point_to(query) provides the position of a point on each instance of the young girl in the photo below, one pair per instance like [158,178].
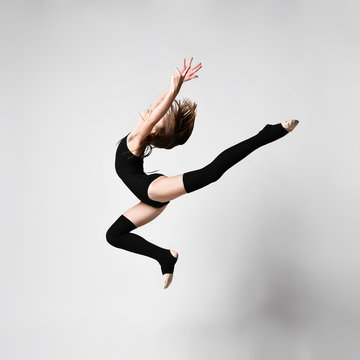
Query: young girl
[166,124]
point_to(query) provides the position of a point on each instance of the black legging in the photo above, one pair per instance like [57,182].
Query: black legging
[119,234]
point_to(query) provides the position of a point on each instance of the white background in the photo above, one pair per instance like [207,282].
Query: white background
[268,255]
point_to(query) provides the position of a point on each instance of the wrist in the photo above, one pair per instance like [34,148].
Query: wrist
[173,92]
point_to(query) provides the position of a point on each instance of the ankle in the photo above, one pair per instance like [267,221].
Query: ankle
[168,261]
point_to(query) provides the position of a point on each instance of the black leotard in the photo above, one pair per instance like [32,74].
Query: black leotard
[130,169]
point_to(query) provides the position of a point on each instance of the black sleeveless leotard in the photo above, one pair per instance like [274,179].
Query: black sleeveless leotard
[130,169]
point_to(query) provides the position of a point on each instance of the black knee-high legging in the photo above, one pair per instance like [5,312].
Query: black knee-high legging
[195,180]
[119,234]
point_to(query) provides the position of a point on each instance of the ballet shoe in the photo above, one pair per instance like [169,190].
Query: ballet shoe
[167,280]
[290,125]
[169,276]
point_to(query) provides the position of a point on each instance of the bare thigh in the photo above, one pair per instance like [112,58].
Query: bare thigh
[142,213]
[166,188]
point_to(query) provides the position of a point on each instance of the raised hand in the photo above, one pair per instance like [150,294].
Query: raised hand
[190,73]
[177,79]
[186,74]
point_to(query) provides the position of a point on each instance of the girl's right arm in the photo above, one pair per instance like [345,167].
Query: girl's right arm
[150,117]
[190,75]
[176,83]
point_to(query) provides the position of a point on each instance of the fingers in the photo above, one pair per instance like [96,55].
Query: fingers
[191,59]
[193,71]
[197,67]
[192,77]
[186,70]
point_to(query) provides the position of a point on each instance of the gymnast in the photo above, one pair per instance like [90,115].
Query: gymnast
[168,123]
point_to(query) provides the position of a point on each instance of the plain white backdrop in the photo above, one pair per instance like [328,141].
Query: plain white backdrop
[268,255]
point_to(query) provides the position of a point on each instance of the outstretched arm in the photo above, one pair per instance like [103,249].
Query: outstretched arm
[190,75]
[163,103]
[160,110]
[150,117]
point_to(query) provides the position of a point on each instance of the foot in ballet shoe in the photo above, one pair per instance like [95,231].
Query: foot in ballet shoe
[169,276]
[167,280]
[290,124]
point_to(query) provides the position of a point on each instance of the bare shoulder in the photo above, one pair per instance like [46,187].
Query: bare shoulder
[133,142]
[137,136]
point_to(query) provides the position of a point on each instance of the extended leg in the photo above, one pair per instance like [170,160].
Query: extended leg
[168,188]
[197,179]
[120,236]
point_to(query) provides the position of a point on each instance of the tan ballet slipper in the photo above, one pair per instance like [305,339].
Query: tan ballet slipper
[290,125]
[168,277]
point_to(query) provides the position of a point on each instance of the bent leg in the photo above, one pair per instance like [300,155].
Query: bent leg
[142,213]
[119,235]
